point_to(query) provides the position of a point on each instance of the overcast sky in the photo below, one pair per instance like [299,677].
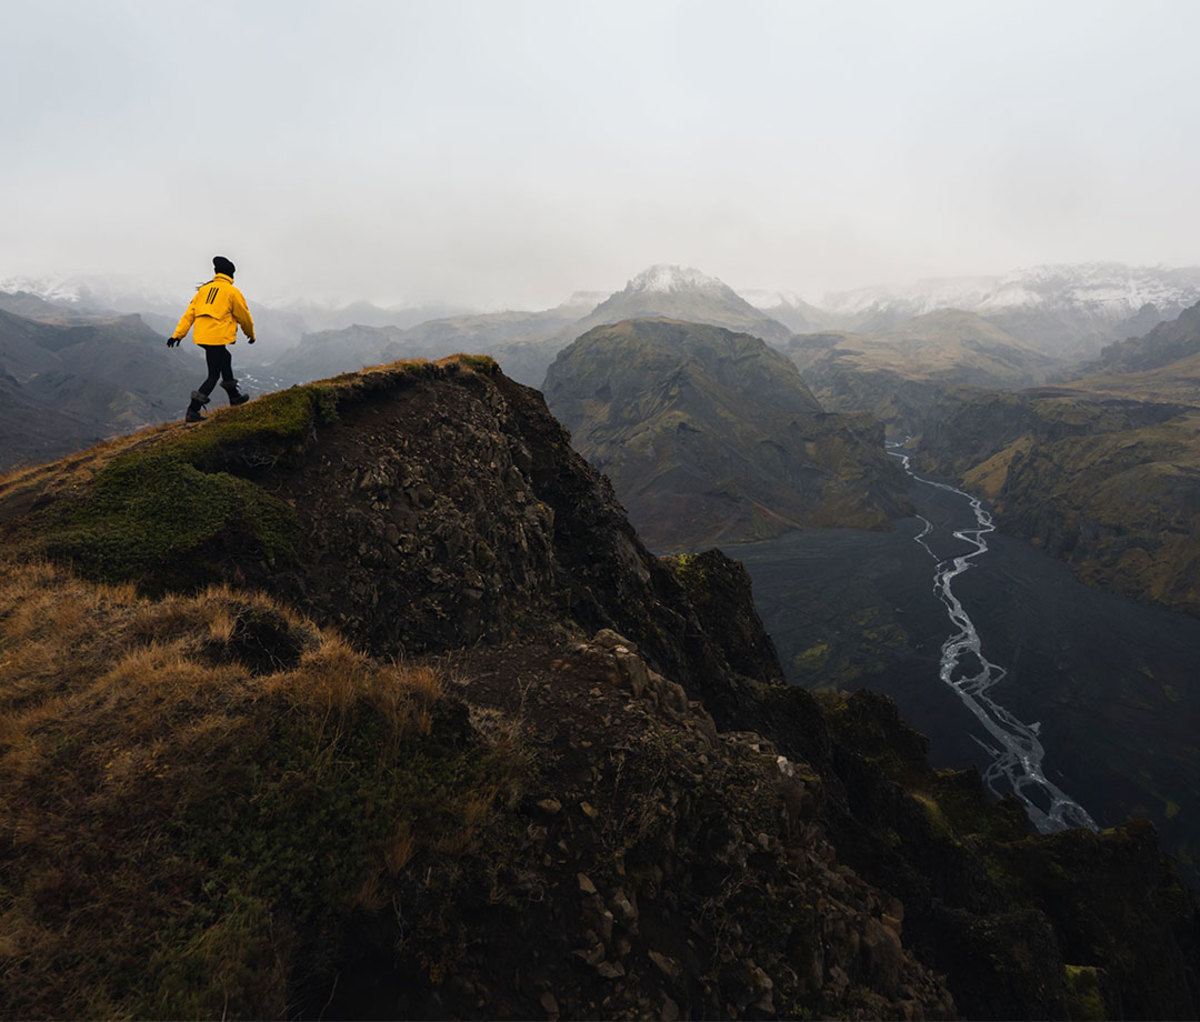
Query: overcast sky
[507,153]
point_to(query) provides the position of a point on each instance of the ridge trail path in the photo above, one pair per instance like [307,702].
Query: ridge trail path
[1017,752]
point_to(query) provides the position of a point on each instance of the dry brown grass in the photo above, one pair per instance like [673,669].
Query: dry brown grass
[180,777]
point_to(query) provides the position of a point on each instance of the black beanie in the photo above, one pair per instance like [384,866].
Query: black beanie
[223,265]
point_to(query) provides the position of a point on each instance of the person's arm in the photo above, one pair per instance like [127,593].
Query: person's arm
[242,314]
[185,324]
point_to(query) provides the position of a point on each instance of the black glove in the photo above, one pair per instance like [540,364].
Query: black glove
[173,342]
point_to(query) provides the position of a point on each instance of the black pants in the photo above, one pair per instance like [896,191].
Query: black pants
[220,364]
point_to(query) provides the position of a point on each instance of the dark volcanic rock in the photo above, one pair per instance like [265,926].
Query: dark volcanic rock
[452,510]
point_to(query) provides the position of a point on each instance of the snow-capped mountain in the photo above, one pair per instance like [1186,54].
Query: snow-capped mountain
[662,290]
[59,291]
[666,279]
[684,293]
[1110,287]
[916,300]
[1062,309]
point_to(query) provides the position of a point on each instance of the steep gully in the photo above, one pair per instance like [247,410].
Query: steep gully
[1018,753]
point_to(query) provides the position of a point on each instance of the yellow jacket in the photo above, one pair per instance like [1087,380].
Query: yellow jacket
[217,310]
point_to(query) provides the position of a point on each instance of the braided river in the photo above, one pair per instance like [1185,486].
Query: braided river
[1082,704]
[1014,747]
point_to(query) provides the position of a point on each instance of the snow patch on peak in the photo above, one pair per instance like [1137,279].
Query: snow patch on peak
[1111,288]
[665,279]
[1107,289]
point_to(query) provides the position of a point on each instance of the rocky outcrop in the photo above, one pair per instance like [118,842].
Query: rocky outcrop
[417,508]
[1016,921]
[655,867]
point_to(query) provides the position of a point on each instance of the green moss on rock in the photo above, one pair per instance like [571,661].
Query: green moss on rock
[1084,999]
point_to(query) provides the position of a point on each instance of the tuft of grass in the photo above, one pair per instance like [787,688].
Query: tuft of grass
[197,793]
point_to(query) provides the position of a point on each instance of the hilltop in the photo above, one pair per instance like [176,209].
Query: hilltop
[659,291]
[711,436]
[364,699]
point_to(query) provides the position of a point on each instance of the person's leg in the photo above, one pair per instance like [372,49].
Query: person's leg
[228,382]
[216,357]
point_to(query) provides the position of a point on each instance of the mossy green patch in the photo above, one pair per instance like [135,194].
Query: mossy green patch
[689,569]
[164,513]
[1083,992]
[162,522]
[812,659]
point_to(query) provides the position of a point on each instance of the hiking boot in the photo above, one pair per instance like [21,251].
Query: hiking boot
[199,400]
[235,397]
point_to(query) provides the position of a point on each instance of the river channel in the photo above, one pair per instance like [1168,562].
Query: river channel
[1082,703]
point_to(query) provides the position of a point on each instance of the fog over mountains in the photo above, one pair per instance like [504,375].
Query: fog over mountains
[1013,330]
[1061,309]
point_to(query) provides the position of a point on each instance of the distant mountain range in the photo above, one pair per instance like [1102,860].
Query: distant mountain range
[1068,310]
[1048,315]
[883,350]
[334,351]
[1061,310]
[525,343]
[672,292]
[66,385]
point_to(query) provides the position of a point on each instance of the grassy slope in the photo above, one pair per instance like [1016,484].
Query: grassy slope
[1177,381]
[198,791]
[1131,497]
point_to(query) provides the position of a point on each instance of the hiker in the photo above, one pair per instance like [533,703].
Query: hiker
[217,311]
